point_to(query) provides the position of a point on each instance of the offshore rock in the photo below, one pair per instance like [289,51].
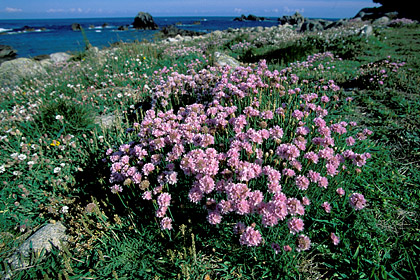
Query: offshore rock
[76,26]
[7,53]
[144,21]
[13,71]
[173,31]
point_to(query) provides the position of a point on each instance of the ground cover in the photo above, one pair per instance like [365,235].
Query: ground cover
[303,162]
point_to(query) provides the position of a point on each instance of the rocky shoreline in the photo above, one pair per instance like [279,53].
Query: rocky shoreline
[12,68]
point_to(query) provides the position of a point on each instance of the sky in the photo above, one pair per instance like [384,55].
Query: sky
[33,9]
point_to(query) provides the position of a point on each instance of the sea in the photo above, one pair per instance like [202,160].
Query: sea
[34,37]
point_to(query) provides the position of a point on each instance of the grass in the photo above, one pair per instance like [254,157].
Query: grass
[48,163]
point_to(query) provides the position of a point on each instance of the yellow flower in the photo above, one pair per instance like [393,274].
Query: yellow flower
[55,143]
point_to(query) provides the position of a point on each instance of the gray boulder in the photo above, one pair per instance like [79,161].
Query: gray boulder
[13,71]
[221,59]
[381,21]
[47,237]
[144,21]
[60,57]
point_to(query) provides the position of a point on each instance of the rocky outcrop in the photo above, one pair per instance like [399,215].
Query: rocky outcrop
[172,31]
[295,20]
[41,242]
[7,53]
[13,71]
[394,11]
[250,17]
[144,21]
[221,59]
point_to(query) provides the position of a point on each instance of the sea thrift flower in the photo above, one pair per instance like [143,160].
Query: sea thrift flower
[303,243]
[327,206]
[335,239]
[287,248]
[116,189]
[302,182]
[214,217]
[294,206]
[295,225]
[166,223]
[164,199]
[357,201]
[250,237]
[340,191]
[305,201]
[147,195]
[350,141]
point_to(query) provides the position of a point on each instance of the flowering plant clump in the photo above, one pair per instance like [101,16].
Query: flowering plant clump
[376,74]
[258,150]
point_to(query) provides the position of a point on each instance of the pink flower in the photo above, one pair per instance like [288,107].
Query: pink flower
[195,195]
[340,191]
[327,206]
[214,217]
[250,237]
[306,201]
[357,201]
[166,223]
[147,168]
[302,182]
[295,225]
[147,195]
[350,141]
[164,199]
[287,248]
[323,182]
[116,189]
[335,239]
[294,206]
[303,243]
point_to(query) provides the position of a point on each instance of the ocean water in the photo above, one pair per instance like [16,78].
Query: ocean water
[47,36]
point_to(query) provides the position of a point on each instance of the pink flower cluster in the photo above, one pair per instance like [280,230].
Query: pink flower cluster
[254,159]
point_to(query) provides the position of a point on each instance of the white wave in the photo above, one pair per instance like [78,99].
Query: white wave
[5,30]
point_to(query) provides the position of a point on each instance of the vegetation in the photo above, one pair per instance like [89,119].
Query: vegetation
[302,163]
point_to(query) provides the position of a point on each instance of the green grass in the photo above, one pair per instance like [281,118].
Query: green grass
[114,239]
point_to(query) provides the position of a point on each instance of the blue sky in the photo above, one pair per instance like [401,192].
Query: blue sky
[30,9]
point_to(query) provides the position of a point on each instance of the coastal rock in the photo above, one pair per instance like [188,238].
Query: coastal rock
[60,57]
[123,28]
[13,71]
[295,20]
[381,21]
[76,27]
[144,21]
[315,25]
[366,30]
[250,17]
[7,53]
[221,59]
[173,31]
[47,237]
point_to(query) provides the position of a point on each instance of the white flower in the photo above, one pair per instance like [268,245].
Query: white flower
[57,170]
[59,117]
[31,162]
[21,157]
[62,164]
[64,209]
[2,168]
[14,155]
